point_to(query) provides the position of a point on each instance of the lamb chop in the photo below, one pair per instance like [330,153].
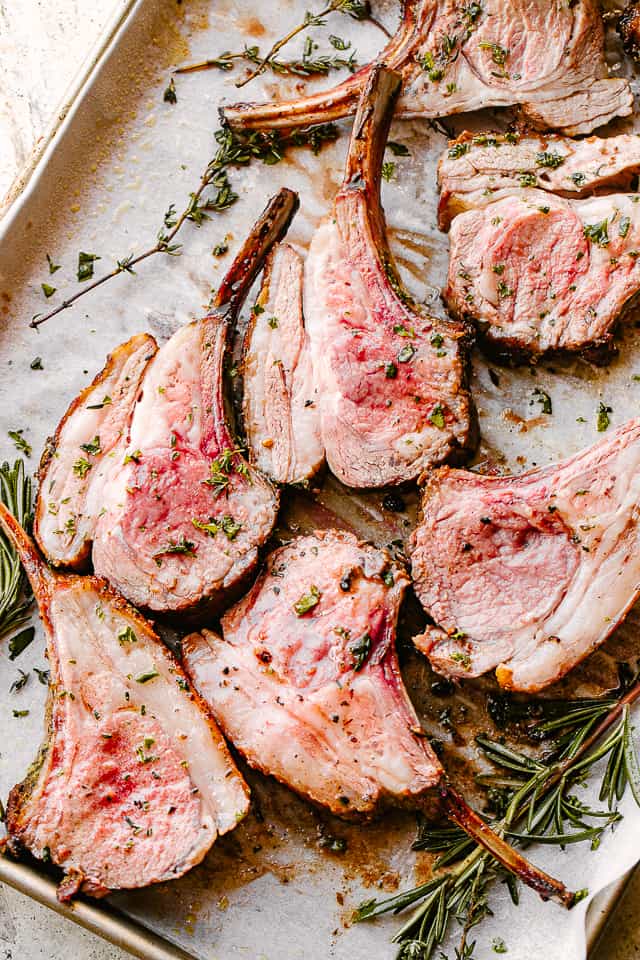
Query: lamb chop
[392,379]
[546,56]
[306,685]
[77,458]
[133,782]
[540,273]
[182,513]
[280,408]
[478,169]
[529,574]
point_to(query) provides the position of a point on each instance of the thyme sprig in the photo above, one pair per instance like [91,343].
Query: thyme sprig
[309,64]
[213,193]
[356,9]
[15,594]
[536,805]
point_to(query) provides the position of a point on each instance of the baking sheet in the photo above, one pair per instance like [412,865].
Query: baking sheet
[121,158]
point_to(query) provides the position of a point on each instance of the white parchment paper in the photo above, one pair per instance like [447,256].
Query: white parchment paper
[267,891]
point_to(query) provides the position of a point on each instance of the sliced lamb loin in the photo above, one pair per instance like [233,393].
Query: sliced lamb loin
[547,56]
[479,169]
[182,515]
[391,378]
[133,782]
[529,574]
[76,459]
[281,417]
[306,684]
[539,273]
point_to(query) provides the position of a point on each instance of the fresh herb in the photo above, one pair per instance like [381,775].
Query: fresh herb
[234,149]
[52,266]
[127,635]
[92,446]
[170,95]
[307,601]
[504,290]
[437,340]
[15,594]
[388,170]
[134,457]
[436,417]
[578,178]
[406,353]
[146,677]
[180,546]
[273,322]
[597,232]
[360,650]
[36,364]
[48,290]
[390,370]
[623,226]
[402,331]
[602,419]
[19,682]
[463,659]
[398,149]
[81,467]
[227,462]
[499,55]
[538,805]
[19,441]
[220,249]
[21,713]
[528,179]
[458,150]
[543,398]
[43,676]
[85,265]
[98,406]
[227,524]
[550,159]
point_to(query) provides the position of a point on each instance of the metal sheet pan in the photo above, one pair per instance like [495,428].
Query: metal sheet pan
[112,163]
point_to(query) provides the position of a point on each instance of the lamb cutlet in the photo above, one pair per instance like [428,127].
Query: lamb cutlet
[527,575]
[538,273]
[391,378]
[182,513]
[305,683]
[478,169]
[546,57]
[280,408]
[133,782]
[76,459]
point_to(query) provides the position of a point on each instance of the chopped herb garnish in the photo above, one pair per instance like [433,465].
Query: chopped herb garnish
[92,447]
[623,226]
[227,462]
[458,150]
[170,95]
[146,677]
[98,406]
[436,417]
[498,945]
[48,290]
[398,149]
[127,635]
[388,170]
[543,398]
[463,659]
[182,545]
[21,713]
[390,370]
[85,265]
[406,353]
[135,456]
[307,601]
[81,467]
[597,232]
[53,266]
[360,650]
[602,421]
[550,159]
[528,179]
[578,178]
[504,290]
[19,682]
[36,364]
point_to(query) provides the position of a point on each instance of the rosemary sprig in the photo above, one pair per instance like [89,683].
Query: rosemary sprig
[235,149]
[15,595]
[536,806]
[307,65]
[354,8]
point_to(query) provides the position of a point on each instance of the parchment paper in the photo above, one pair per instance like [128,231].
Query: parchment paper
[268,891]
